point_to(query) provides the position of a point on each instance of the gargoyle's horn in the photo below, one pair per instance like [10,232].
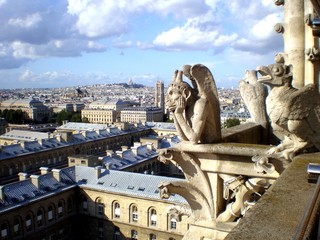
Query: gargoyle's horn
[175,75]
[179,77]
[187,71]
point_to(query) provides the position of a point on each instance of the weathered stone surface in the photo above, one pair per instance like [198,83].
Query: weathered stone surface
[294,113]
[195,110]
[254,95]
[278,213]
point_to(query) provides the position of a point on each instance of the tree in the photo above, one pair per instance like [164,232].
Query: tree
[76,117]
[85,120]
[231,122]
[62,116]
[13,116]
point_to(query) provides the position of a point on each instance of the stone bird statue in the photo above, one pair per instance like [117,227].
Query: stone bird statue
[294,113]
[254,95]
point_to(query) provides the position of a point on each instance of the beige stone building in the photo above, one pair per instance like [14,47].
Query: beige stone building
[33,109]
[88,203]
[105,111]
[103,116]
[142,114]
[71,139]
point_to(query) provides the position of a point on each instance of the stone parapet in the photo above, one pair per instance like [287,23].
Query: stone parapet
[278,213]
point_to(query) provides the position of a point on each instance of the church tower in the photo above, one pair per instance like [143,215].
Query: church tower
[159,95]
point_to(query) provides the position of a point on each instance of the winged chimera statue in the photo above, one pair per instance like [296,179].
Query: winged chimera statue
[195,110]
[294,113]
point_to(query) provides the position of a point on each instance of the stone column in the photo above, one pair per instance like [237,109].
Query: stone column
[312,48]
[294,38]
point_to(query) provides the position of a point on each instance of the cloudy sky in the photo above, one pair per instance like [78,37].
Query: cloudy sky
[51,43]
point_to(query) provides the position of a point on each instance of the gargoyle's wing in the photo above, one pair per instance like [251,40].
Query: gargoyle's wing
[301,102]
[207,88]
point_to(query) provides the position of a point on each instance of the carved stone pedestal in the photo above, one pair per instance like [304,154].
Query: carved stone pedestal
[223,181]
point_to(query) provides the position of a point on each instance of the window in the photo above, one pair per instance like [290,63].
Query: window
[84,204]
[173,223]
[61,233]
[100,229]
[60,209]
[100,208]
[153,217]
[117,210]
[50,214]
[16,227]
[40,218]
[153,237]
[134,235]
[4,231]
[134,214]
[28,223]
[117,234]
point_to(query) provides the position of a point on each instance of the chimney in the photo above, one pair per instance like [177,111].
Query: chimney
[44,170]
[22,176]
[58,137]
[109,153]
[56,173]
[124,148]
[22,144]
[41,141]
[97,170]
[150,146]
[108,166]
[134,150]
[67,136]
[84,133]
[137,144]
[99,131]
[119,153]
[35,180]
[2,192]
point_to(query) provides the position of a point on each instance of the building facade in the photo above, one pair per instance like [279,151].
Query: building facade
[89,139]
[103,116]
[88,203]
[33,109]
[142,114]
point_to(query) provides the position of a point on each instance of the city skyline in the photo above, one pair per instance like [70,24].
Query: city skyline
[70,42]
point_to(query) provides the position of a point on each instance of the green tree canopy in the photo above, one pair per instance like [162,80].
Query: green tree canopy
[231,122]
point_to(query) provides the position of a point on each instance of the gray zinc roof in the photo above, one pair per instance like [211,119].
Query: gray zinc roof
[141,185]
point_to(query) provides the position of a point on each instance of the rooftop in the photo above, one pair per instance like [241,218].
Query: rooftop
[38,186]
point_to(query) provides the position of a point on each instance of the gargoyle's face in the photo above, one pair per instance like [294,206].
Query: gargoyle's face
[174,94]
[272,75]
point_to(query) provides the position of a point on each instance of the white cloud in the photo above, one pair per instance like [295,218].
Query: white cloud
[2,2]
[27,22]
[99,18]
[63,28]
[196,34]
[263,29]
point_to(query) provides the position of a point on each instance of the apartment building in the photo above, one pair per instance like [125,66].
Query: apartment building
[89,203]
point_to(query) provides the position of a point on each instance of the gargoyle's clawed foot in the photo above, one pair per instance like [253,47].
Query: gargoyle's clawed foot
[288,154]
[275,150]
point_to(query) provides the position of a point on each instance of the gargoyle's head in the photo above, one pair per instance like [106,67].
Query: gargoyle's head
[277,74]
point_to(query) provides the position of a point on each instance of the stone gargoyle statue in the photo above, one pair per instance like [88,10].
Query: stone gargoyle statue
[195,110]
[294,113]
[254,96]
